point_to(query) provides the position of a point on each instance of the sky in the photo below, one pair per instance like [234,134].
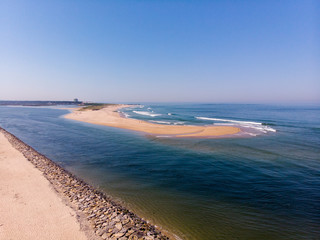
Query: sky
[160,51]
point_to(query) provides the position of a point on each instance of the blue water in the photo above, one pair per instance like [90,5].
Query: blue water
[264,184]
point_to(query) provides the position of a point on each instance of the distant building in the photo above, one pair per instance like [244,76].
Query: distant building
[76,100]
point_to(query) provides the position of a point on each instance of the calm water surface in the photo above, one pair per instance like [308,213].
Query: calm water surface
[262,185]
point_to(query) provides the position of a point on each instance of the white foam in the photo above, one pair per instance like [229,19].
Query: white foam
[169,114]
[147,113]
[255,126]
[252,134]
[178,123]
[161,122]
[228,120]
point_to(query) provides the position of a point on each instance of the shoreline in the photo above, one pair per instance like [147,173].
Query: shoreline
[97,211]
[110,116]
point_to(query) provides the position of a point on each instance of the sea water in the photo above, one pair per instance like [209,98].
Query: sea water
[262,184]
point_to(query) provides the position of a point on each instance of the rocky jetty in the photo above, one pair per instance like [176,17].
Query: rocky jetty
[108,219]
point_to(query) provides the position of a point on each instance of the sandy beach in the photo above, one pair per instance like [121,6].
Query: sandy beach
[41,200]
[109,116]
[29,206]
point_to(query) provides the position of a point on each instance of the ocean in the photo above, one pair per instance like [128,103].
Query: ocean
[261,184]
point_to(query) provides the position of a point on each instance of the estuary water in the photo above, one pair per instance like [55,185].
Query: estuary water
[261,184]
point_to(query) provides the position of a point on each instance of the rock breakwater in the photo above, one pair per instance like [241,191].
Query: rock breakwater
[108,219]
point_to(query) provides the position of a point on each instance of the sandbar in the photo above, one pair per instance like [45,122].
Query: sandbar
[29,206]
[110,116]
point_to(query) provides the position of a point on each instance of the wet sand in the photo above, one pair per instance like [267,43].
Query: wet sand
[109,116]
[29,206]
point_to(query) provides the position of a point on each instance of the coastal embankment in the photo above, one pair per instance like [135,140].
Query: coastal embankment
[63,208]
[110,116]
[29,206]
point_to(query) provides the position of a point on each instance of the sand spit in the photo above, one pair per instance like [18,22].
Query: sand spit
[109,116]
[95,210]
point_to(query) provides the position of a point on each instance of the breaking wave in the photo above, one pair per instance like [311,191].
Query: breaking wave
[161,122]
[257,127]
[147,113]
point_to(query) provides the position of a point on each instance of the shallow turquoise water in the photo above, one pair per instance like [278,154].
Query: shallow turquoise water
[262,187]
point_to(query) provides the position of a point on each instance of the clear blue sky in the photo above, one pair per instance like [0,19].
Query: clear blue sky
[161,51]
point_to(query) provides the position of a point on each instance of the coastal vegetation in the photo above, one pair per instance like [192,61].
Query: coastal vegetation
[96,106]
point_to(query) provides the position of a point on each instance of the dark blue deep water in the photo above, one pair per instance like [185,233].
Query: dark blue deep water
[263,184]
